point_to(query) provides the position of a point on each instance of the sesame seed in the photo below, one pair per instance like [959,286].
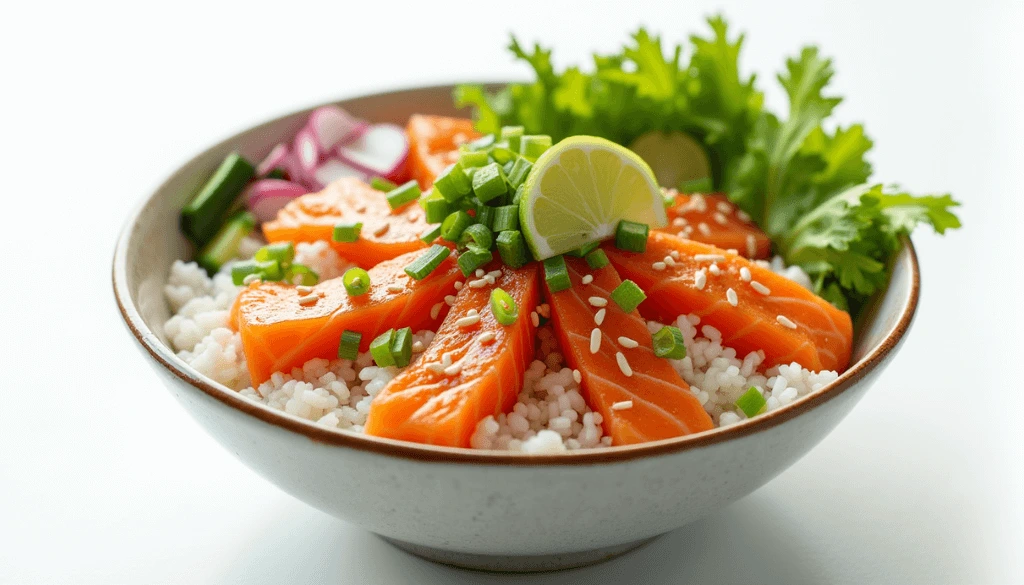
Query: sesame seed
[417,346]
[489,279]
[700,278]
[479,272]
[595,340]
[494,273]
[623,365]
[436,310]
[446,359]
[730,295]
[395,288]
[761,288]
[435,367]
[679,222]
[599,316]
[724,207]
[708,257]
[453,369]
[669,261]
[623,405]
[743,215]
[577,376]
[308,300]
[704,228]
[535,319]
[720,218]
[751,245]
[250,278]
[449,299]
[785,322]
[478,283]
[699,202]
[472,312]
[486,337]
[745,274]
[658,266]
[468,321]
[714,269]
[302,290]
[627,342]
[458,285]
[587,278]
[598,301]
[544,310]
[382,229]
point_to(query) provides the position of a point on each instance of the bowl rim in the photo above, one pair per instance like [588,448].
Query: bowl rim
[168,360]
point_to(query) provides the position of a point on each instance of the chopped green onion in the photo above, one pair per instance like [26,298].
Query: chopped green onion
[356,281]
[752,402]
[431,234]
[506,218]
[585,249]
[669,197]
[512,134]
[668,343]
[264,270]
[471,160]
[512,248]
[628,296]
[517,175]
[452,183]
[701,185]
[489,182]
[520,191]
[474,257]
[276,173]
[309,276]
[347,232]
[224,245]
[532,146]
[479,235]
[404,193]
[348,345]
[501,153]
[202,216]
[504,307]
[281,252]
[421,267]
[382,184]
[556,274]
[596,259]
[401,347]
[436,207]
[482,143]
[507,167]
[380,349]
[631,236]
[466,204]
[485,215]
[453,225]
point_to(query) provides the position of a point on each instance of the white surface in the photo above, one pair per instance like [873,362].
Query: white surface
[107,480]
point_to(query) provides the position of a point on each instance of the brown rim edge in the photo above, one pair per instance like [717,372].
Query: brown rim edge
[432,453]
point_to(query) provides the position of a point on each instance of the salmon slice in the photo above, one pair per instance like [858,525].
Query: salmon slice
[790,323]
[426,405]
[433,144]
[385,233]
[662,404]
[715,220]
[280,333]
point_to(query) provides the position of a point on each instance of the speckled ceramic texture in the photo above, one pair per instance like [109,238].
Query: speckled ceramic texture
[485,510]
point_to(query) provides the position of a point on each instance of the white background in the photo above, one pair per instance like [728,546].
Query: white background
[103,478]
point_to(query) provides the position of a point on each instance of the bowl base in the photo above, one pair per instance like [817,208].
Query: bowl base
[517,564]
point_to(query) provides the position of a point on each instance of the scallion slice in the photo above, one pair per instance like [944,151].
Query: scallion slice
[668,343]
[264,270]
[556,274]
[479,235]
[309,276]
[752,402]
[512,248]
[489,182]
[382,184]
[356,281]
[402,194]
[596,259]
[380,349]
[482,143]
[585,249]
[348,345]
[511,135]
[347,232]
[472,160]
[485,215]
[455,224]
[517,175]
[628,296]
[504,307]
[501,153]
[452,183]
[431,234]
[631,236]
[532,146]
[401,347]
[506,218]
[436,207]
[281,252]
[472,258]
[224,245]
[421,267]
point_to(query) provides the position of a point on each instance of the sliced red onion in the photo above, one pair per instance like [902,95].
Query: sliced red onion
[381,151]
[333,169]
[307,149]
[333,126]
[273,160]
[266,197]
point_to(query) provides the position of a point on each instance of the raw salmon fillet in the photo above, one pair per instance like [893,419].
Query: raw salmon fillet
[662,404]
[434,144]
[278,333]
[790,323]
[385,233]
[425,405]
[713,219]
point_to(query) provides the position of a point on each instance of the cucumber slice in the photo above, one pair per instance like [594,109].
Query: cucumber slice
[203,215]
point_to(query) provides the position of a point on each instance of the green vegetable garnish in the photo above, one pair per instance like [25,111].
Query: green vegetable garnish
[380,349]
[280,252]
[347,232]
[422,266]
[401,347]
[506,218]
[532,146]
[348,345]
[479,235]
[455,224]
[489,182]
[628,296]
[472,159]
[382,184]
[436,207]
[452,183]
[224,244]
[202,217]
[517,174]
[504,307]
[472,258]
[631,236]
[585,249]
[512,248]
[596,259]
[263,270]
[431,234]
[511,136]
[309,276]
[402,194]
[356,281]
[668,343]
[752,402]
[556,274]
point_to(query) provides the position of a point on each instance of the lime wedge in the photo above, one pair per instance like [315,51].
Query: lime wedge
[678,161]
[579,190]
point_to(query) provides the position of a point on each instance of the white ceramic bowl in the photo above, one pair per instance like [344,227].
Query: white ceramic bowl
[476,508]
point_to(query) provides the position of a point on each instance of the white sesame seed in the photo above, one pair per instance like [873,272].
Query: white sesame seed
[627,342]
[490,279]
[720,218]
[478,283]
[302,290]
[700,278]
[761,288]
[472,312]
[479,272]
[449,299]
[250,278]
[623,405]
[577,376]
[751,245]
[435,367]
[486,337]
[587,278]
[669,261]
[678,222]
[598,301]
[535,319]
[743,215]
[417,346]
[595,340]
[674,254]
[623,364]
[658,266]
[704,228]
[494,273]
[708,257]
[714,269]
[436,310]
[544,310]
[724,207]
[446,359]
[458,285]
[395,288]
[730,295]
[699,202]
[453,369]
[468,321]
[785,322]
[745,274]
[308,300]
[382,229]
[599,316]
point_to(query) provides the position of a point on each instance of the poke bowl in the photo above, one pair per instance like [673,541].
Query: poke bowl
[470,411]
